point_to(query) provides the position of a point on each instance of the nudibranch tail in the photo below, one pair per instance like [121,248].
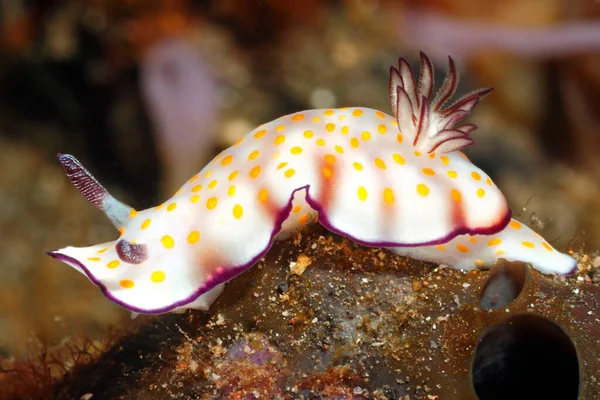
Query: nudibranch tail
[431,125]
[93,191]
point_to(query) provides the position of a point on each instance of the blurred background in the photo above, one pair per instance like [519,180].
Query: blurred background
[144,92]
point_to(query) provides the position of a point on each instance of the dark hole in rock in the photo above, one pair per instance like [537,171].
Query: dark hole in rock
[504,285]
[526,357]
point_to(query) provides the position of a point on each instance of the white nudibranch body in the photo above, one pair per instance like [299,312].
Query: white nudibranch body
[398,182]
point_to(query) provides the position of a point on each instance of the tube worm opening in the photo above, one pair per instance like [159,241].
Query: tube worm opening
[526,357]
[504,285]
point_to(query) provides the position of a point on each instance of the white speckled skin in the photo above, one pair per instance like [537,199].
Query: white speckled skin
[354,168]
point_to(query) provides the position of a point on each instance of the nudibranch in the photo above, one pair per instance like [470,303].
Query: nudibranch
[398,182]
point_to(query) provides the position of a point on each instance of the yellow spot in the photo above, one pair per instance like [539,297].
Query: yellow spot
[515,224]
[316,119]
[208,174]
[445,159]
[231,191]
[417,153]
[194,199]
[428,171]
[345,130]
[157,276]
[366,135]
[297,209]
[528,244]
[132,213]
[254,172]
[102,250]
[296,150]
[193,179]
[197,188]
[238,142]
[379,163]
[212,203]
[499,252]
[212,184]
[260,134]
[456,196]
[217,157]
[400,138]
[362,193]
[473,239]
[177,192]
[263,195]
[113,264]
[546,246]
[330,127]
[289,173]
[480,192]
[238,211]
[432,155]
[494,242]
[441,247]
[354,142]
[126,284]
[282,164]
[275,155]
[320,142]
[339,149]
[303,219]
[479,263]
[121,230]
[253,155]
[488,181]
[328,112]
[381,128]
[380,114]
[462,248]
[327,171]
[308,134]
[171,206]
[452,174]
[226,161]
[159,207]
[357,113]
[298,117]
[94,258]
[398,158]
[358,166]
[280,128]
[279,139]
[330,158]
[167,241]
[233,175]
[388,196]
[146,223]
[476,175]
[341,118]
[394,122]
[423,190]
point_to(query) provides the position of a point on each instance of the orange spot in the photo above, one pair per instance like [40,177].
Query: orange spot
[126,284]
[330,127]
[297,209]
[476,175]
[238,142]
[253,155]
[308,134]
[132,213]
[528,244]
[254,172]
[357,113]
[400,138]
[432,155]
[488,181]
[329,158]
[388,196]
[327,171]
[417,153]
[380,114]
[473,239]
[428,171]
[456,196]
[193,179]
[422,190]
[515,224]
[263,195]
[279,140]
[462,248]
[441,247]
[157,276]
[167,241]
[546,246]
[146,223]
[354,142]
[379,163]
[479,263]
[328,112]
[494,242]
[171,206]
[159,207]
[445,159]
[212,203]
[289,173]
[238,211]
[298,117]
[296,150]
[233,175]
[260,134]
[303,219]
[113,264]
[121,230]
[226,161]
